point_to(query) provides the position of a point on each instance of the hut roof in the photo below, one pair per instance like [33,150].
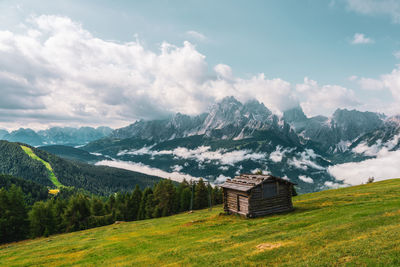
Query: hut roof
[245,182]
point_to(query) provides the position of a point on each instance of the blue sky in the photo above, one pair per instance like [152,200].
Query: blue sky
[286,40]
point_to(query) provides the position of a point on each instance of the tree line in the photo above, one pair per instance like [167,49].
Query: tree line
[74,211]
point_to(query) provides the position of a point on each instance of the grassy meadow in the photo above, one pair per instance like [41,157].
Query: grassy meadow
[52,176]
[355,226]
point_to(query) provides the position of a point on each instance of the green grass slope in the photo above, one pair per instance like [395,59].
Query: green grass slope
[356,226]
[52,176]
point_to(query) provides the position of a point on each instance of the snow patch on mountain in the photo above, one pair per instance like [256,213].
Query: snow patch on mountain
[342,146]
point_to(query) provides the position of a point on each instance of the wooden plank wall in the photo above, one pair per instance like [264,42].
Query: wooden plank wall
[280,203]
[231,201]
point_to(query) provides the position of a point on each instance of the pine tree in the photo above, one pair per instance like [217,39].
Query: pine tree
[120,206]
[77,213]
[217,195]
[59,207]
[185,199]
[42,219]
[165,197]
[179,191]
[110,204]
[150,207]
[133,204]
[4,206]
[97,207]
[201,195]
[14,222]
[143,203]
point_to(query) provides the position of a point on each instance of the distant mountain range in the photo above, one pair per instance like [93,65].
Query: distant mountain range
[228,119]
[56,135]
[232,120]
[234,137]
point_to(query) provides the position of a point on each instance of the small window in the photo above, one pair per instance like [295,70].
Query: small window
[269,190]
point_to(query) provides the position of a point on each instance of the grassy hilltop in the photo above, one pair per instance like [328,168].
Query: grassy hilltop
[356,226]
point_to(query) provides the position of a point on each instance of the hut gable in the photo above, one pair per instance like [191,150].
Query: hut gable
[254,195]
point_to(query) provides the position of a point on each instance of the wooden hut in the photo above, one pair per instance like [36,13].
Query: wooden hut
[253,195]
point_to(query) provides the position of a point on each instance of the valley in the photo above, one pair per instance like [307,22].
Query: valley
[316,153]
[200,133]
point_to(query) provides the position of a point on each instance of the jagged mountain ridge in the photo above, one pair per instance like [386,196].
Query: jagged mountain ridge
[231,119]
[228,119]
[332,134]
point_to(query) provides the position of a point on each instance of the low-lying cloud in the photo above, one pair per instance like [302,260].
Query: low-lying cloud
[306,179]
[304,160]
[381,168]
[202,154]
[66,74]
[140,167]
[378,148]
[221,179]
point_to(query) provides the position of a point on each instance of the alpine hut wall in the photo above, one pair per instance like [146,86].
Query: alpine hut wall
[257,195]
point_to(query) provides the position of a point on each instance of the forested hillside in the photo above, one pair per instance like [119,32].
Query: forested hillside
[72,210]
[33,191]
[96,179]
[14,161]
[72,153]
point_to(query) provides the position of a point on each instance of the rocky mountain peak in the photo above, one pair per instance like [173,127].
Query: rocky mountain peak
[295,114]
[352,123]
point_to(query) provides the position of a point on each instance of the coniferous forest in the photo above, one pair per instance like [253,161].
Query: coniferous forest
[27,212]
[99,180]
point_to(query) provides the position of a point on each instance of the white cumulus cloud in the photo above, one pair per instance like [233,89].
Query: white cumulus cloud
[196,35]
[360,38]
[332,96]
[55,71]
[221,179]
[376,7]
